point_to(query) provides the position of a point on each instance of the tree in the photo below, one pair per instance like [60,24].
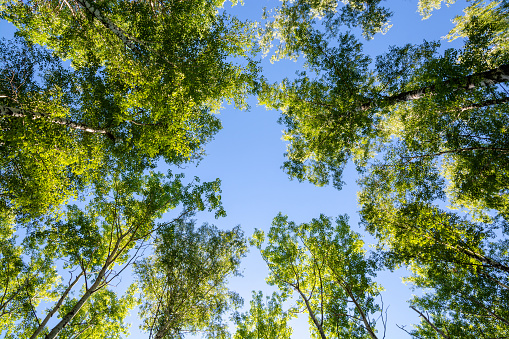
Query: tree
[325,265]
[147,79]
[95,245]
[264,321]
[422,125]
[343,110]
[184,283]
[42,148]
[25,277]
[166,61]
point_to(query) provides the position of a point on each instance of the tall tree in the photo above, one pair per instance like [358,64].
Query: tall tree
[167,59]
[325,266]
[264,320]
[95,245]
[344,109]
[184,283]
[147,79]
[42,146]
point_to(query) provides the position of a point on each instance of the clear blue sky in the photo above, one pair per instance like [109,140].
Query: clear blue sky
[247,154]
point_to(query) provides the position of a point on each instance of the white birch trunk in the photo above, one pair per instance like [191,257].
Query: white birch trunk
[123,36]
[54,309]
[21,113]
[88,293]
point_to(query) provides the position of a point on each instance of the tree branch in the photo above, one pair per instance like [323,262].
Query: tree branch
[482,79]
[21,113]
[430,323]
[55,308]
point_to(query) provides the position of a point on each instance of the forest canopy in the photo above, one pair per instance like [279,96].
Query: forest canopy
[97,97]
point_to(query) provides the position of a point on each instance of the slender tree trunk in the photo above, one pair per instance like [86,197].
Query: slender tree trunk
[363,315]
[312,314]
[484,259]
[492,77]
[123,36]
[486,103]
[162,330]
[127,39]
[21,113]
[493,314]
[344,285]
[54,309]
[84,298]
[474,255]
[77,307]
[498,282]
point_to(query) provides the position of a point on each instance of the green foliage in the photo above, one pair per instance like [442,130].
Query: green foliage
[425,7]
[145,81]
[39,159]
[293,21]
[463,301]
[423,125]
[264,321]
[95,244]
[323,126]
[26,277]
[324,264]
[184,283]
[101,317]
[485,28]
[148,76]
[420,101]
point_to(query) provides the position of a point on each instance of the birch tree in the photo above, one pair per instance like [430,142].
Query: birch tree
[265,320]
[49,133]
[324,265]
[95,245]
[165,63]
[145,82]
[184,284]
[347,107]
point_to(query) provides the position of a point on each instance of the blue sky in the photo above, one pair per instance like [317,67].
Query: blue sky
[247,154]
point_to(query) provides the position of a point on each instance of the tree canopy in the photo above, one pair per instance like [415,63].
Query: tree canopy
[96,95]
[148,89]
[423,125]
[325,266]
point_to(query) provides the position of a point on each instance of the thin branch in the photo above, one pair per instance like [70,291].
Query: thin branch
[430,323]
[482,79]
[404,329]
[458,150]
[493,314]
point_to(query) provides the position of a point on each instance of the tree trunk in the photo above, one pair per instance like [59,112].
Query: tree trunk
[88,293]
[487,78]
[345,286]
[465,250]
[21,113]
[484,259]
[54,309]
[363,315]
[312,314]
[123,36]
[77,307]
[442,334]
